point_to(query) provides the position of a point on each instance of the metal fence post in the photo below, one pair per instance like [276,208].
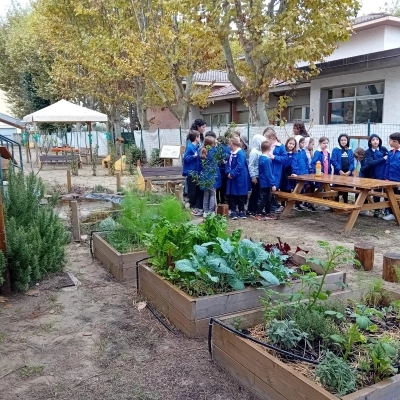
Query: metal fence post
[180,134]
[158,134]
[248,133]
[369,127]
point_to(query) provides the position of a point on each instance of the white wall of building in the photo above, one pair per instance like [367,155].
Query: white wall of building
[391,104]
[366,41]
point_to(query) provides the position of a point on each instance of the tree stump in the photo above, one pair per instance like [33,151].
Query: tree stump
[391,261]
[365,255]
[223,209]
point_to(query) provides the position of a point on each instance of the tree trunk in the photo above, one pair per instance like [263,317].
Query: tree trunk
[141,109]
[258,111]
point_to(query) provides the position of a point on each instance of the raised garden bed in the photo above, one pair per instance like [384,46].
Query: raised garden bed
[191,314]
[121,266]
[269,378]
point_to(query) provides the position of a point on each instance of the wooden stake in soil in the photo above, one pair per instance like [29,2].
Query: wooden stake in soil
[76,231]
[365,255]
[69,182]
[118,175]
[390,262]
[223,209]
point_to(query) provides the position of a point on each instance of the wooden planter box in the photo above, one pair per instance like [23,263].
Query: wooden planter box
[268,378]
[121,266]
[191,314]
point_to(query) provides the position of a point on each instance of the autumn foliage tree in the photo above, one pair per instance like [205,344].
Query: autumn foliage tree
[274,36]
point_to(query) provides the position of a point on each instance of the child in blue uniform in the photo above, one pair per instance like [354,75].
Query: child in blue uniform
[278,156]
[375,160]
[392,168]
[343,161]
[238,182]
[191,167]
[266,182]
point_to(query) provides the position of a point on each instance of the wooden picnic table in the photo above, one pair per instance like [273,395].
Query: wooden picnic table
[64,150]
[327,195]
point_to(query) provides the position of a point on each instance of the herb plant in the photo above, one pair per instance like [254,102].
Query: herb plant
[336,374]
[36,238]
[285,333]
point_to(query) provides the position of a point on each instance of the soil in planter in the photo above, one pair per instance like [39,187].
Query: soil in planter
[384,327]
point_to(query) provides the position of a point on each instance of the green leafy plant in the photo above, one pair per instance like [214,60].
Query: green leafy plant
[311,287]
[346,340]
[336,374]
[133,155]
[375,293]
[315,323]
[237,323]
[230,264]
[285,334]
[36,238]
[362,315]
[274,304]
[137,218]
[382,355]
[155,160]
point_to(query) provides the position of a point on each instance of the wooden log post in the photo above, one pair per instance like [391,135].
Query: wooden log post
[178,194]
[76,231]
[223,209]
[170,187]
[391,262]
[118,175]
[69,182]
[365,255]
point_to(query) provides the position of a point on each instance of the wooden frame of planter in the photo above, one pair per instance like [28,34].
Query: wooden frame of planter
[267,377]
[191,314]
[121,266]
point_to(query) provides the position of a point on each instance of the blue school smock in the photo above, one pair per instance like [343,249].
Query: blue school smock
[237,166]
[191,159]
[278,162]
[336,160]
[374,158]
[287,170]
[265,177]
[392,170]
[300,163]
[319,156]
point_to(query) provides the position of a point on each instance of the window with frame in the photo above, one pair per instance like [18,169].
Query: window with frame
[300,113]
[216,119]
[356,104]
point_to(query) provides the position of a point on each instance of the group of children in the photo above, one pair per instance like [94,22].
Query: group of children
[216,169]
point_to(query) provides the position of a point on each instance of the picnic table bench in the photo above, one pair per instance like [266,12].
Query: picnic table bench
[59,160]
[364,187]
[160,174]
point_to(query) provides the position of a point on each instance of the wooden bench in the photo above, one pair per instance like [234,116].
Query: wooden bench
[160,174]
[316,200]
[59,160]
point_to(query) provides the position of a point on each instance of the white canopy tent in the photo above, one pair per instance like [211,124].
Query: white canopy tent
[64,111]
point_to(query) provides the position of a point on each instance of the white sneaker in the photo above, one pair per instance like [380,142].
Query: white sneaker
[323,208]
[205,214]
[389,217]
[364,212]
